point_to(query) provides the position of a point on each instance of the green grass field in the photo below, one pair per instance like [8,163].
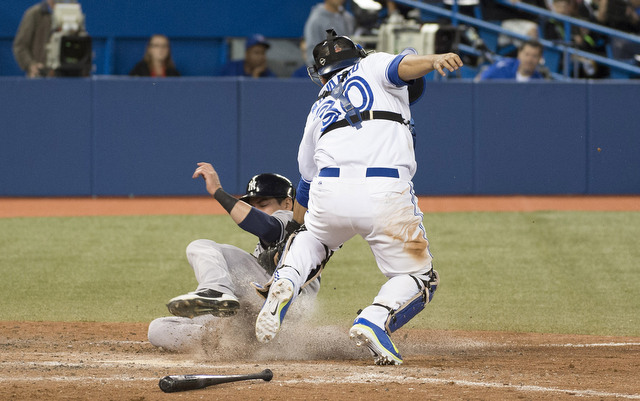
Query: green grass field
[555,272]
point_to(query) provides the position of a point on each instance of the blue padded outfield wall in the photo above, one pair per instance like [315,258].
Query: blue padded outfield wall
[121,136]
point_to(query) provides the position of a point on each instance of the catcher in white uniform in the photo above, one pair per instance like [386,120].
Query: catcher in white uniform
[225,272]
[357,160]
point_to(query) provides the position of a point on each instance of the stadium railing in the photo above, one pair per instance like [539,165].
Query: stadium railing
[553,50]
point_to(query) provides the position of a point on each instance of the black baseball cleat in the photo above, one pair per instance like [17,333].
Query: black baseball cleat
[204,302]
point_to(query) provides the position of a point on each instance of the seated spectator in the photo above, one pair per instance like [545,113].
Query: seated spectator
[255,60]
[623,15]
[513,20]
[157,61]
[581,38]
[620,14]
[522,69]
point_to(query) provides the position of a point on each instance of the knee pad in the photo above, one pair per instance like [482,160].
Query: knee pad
[399,317]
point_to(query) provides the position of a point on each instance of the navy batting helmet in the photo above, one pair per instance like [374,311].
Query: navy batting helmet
[335,53]
[268,185]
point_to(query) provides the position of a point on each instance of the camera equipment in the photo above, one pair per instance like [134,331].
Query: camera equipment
[69,49]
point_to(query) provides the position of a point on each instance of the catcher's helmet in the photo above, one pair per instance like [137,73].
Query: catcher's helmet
[335,53]
[268,185]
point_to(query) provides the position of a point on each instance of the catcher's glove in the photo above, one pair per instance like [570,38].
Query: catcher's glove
[270,257]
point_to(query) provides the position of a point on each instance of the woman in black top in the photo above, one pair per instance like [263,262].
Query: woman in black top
[157,61]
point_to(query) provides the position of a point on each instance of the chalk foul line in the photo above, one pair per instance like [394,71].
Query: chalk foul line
[357,378]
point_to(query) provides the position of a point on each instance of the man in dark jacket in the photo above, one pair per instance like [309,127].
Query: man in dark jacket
[34,34]
[29,45]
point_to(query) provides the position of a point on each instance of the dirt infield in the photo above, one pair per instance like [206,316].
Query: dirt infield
[113,361]
[38,207]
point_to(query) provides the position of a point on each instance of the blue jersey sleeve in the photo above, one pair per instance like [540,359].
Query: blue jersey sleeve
[392,71]
[302,192]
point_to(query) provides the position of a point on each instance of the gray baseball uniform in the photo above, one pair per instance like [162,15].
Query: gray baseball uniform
[224,268]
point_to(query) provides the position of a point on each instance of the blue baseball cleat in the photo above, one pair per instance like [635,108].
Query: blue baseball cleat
[377,340]
[273,310]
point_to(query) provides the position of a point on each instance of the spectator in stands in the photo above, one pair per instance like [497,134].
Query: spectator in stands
[329,14]
[623,15]
[157,60]
[514,20]
[620,14]
[586,9]
[522,69]
[30,42]
[581,38]
[255,60]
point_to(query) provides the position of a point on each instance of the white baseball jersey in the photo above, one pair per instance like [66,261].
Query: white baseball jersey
[381,208]
[368,86]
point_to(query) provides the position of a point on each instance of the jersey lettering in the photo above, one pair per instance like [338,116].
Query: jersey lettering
[356,89]
[328,112]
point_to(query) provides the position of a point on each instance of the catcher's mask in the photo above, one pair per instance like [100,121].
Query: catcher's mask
[333,54]
[268,185]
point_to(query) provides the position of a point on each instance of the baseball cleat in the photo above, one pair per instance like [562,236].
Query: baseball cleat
[273,310]
[204,302]
[377,340]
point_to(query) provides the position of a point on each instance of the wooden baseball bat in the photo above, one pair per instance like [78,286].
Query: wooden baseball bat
[174,383]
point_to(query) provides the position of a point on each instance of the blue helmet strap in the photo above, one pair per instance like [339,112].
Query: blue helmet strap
[352,116]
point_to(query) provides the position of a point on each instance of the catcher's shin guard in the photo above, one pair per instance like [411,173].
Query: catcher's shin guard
[399,317]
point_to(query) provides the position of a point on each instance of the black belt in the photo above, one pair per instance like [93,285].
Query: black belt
[366,116]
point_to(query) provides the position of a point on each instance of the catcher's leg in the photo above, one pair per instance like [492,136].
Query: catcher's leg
[399,300]
[305,256]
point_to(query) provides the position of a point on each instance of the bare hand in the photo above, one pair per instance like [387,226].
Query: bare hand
[206,171]
[34,70]
[257,72]
[448,61]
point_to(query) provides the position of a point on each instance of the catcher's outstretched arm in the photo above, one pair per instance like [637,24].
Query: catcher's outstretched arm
[413,66]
